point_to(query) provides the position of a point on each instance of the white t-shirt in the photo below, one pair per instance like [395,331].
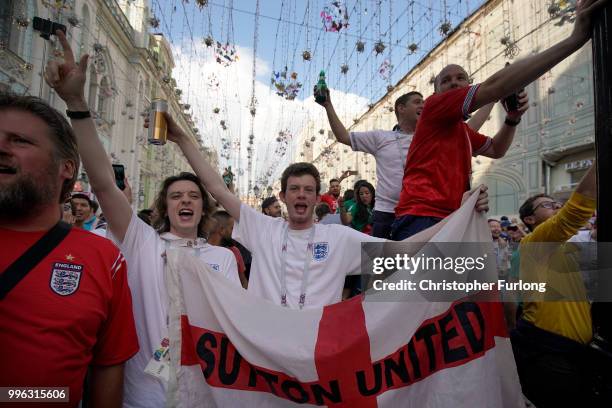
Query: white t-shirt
[336,253]
[143,248]
[390,149]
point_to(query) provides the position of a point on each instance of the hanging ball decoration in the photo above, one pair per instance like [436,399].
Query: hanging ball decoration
[186,106]
[209,41]
[201,3]
[154,22]
[379,47]
[390,88]
[166,79]
[360,45]
[253,111]
[413,48]
[216,110]
[278,139]
[222,123]
[554,9]
[28,66]
[445,28]
[73,20]
[344,68]
[306,55]
[312,139]
[22,21]
[321,131]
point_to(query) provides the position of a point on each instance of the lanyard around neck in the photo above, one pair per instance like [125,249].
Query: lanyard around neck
[184,244]
[309,255]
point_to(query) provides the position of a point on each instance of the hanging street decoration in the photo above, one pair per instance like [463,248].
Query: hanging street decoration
[385,69]
[360,46]
[379,47]
[288,88]
[445,28]
[212,81]
[225,54]
[335,17]
[154,22]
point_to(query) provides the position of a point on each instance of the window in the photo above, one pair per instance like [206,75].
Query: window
[17,37]
[83,39]
[93,88]
[503,199]
[104,94]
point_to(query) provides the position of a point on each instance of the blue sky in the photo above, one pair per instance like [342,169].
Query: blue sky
[282,42]
[285,30]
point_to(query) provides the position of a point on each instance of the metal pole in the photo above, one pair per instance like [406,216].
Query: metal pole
[602,78]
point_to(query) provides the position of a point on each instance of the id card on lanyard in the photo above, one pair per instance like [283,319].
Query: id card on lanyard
[306,270]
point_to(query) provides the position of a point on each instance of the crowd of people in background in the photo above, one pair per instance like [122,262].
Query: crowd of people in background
[298,251]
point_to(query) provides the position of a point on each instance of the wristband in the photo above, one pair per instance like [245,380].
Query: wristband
[78,114]
[511,122]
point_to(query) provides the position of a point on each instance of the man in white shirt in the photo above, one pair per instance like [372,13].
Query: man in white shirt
[389,148]
[296,263]
[182,207]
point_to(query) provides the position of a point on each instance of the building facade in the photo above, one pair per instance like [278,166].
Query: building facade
[554,144]
[129,66]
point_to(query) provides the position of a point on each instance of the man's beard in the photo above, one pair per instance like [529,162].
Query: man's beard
[23,197]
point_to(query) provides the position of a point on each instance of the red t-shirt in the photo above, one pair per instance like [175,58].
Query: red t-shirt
[73,309]
[439,161]
[331,201]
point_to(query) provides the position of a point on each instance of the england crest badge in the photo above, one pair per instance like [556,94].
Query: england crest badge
[320,251]
[65,278]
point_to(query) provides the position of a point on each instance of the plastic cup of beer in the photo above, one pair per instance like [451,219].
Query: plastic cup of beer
[158,127]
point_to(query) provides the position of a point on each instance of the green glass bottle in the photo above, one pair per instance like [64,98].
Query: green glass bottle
[321,88]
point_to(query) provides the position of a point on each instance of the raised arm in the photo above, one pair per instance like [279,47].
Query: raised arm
[338,129]
[504,137]
[480,117]
[520,73]
[211,179]
[68,80]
